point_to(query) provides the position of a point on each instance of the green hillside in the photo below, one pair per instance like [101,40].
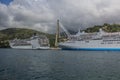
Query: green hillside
[106,27]
[20,33]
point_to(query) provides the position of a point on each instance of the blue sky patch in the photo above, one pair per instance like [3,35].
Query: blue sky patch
[7,2]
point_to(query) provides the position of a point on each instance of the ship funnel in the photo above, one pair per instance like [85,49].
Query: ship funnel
[101,31]
[83,32]
[79,32]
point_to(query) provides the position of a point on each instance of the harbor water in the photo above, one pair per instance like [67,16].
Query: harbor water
[59,65]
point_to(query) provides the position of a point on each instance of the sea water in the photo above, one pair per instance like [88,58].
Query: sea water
[59,65]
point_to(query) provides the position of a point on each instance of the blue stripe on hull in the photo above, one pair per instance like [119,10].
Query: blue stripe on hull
[93,49]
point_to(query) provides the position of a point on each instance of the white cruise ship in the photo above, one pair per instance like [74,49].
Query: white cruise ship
[92,41]
[35,42]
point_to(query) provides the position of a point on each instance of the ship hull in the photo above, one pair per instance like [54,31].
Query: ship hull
[93,49]
[42,48]
[93,45]
[29,47]
[21,47]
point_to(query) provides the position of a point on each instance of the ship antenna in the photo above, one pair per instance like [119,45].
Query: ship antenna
[57,34]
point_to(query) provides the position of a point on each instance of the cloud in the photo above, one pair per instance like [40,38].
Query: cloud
[42,14]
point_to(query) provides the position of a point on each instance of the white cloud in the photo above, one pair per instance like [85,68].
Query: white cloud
[42,14]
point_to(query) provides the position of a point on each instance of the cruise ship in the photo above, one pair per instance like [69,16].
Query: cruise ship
[92,41]
[35,42]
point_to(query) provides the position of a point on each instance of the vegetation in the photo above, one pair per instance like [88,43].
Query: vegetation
[106,27]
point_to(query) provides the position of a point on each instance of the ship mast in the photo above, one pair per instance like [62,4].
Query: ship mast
[57,35]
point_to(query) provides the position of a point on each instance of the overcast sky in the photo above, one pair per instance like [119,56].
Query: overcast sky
[73,14]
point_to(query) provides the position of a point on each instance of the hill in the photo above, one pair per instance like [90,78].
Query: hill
[20,33]
[106,27]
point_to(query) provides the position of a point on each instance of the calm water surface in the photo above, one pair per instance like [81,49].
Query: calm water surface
[59,65]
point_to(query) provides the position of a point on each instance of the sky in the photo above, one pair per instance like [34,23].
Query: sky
[5,1]
[42,15]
